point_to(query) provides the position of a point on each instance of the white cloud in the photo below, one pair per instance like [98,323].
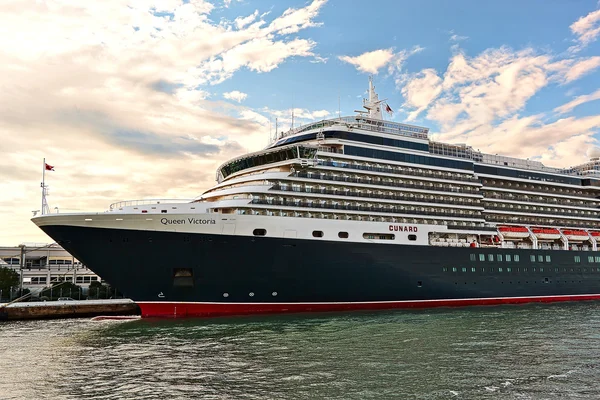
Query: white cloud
[581,68]
[235,95]
[130,84]
[579,100]
[421,90]
[372,61]
[587,30]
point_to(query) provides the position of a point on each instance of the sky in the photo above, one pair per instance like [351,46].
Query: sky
[145,99]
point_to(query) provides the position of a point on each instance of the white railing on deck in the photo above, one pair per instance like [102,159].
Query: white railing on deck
[128,203]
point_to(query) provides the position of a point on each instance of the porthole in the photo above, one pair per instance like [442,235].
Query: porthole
[412,237]
[225,294]
[317,233]
[274,294]
[343,235]
[259,232]
[251,294]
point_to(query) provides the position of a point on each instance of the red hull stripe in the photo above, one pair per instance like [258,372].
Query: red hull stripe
[190,309]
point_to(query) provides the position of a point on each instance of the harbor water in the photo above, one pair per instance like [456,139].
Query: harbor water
[508,352]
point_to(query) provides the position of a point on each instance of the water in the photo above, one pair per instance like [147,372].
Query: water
[509,352]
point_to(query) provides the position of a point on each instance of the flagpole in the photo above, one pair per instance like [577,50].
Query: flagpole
[43,183]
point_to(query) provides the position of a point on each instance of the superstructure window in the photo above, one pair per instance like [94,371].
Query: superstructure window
[532,258]
[548,259]
[490,257]
[590,259]
[482,257]
[259,232]
[508,257]
[516,258]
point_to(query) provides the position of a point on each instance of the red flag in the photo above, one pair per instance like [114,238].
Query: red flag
[49,167]
[388,109]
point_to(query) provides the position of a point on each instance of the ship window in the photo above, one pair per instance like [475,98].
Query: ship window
[490,257]
[590,259]
[412,237]
[445,269]
[556,269]
[343,235]
[317,233]
[482,257]
[259,232]
[453,269]
[577,259]
[508,258]
[379,236]
[473,269]
[532,258]
[472,257]
[540,258]
[597,259]
[533,269]
[163,211]
[500,269]
[508,269]
[499,257]
[464,269]
[419,283]
[524,269]
[516,258]
[547,258]
[183,277]
[541,269]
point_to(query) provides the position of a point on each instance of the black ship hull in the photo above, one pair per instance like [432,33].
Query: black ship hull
[181,274]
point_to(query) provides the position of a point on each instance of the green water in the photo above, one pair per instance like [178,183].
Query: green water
[508,352]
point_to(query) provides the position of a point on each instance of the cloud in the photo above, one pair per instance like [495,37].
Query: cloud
[579,100]
[372,61]
[235,95]
[479,100]
[122,89]
[587,30]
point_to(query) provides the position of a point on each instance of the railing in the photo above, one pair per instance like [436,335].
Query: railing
[563,213]
[552,201]
[544,190]
[143,202]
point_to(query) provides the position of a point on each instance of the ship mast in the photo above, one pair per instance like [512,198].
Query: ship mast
[373,104]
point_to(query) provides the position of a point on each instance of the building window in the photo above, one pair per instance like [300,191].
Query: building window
[317,233]
[548,259]
[259,232]
[507,258]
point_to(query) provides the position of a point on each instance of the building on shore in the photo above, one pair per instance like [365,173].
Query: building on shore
[44,265]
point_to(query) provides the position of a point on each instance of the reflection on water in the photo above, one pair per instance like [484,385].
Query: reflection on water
[511,352]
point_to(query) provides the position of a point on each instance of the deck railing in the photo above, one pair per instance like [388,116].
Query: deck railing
[143,202]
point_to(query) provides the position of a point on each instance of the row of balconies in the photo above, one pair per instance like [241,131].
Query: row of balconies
[393,209]
[541,210]
[400,196]
[390,182]
[546,189]
[540,199]
[526,220]
[401,170]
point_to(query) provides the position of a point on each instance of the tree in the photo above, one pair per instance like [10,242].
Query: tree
[8,278]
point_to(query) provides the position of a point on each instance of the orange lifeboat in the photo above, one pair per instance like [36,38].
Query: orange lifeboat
[595,234]
[513,231]
[576,235]
[546,233]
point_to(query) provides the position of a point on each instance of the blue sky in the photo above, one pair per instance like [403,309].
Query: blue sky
[132,99]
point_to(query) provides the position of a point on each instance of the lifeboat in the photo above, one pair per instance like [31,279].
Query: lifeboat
[546,233]
[576,235]
[514,231]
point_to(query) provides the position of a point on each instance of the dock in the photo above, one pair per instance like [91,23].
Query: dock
[67,309]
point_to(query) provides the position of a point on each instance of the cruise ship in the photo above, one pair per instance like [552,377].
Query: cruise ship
[352,213]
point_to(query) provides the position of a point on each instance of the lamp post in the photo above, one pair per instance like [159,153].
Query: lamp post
[21,263]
